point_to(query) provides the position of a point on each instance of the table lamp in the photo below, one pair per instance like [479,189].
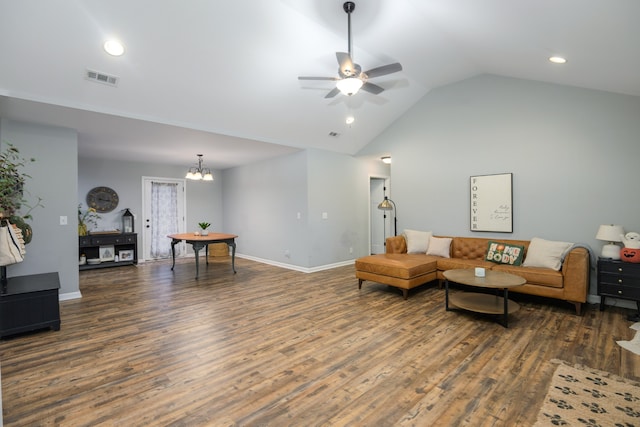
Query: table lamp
[610,233]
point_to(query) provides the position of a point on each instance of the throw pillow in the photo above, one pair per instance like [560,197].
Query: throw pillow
[504,253]
[417,241]
[546,253]
[439,246]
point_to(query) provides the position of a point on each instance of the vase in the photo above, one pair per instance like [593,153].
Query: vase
[204,233]
[82,229]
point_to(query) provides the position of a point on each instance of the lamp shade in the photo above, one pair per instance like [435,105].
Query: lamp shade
[349,86]
[385,205]
[610,233]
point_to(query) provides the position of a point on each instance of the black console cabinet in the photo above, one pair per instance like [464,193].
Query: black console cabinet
[28,303]
[618,279]
[89,246]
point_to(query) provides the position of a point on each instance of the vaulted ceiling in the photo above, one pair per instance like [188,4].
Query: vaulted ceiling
[220,77]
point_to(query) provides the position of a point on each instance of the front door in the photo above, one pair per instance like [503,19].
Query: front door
[163,213]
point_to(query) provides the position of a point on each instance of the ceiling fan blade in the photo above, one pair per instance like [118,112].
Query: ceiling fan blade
[317,78]
[371,88]
[384,70]
[333,93]
[346,64]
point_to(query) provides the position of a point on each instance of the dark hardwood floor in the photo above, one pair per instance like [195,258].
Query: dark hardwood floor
[269,346]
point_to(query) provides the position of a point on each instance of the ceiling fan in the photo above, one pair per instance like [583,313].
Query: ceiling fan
[351,77]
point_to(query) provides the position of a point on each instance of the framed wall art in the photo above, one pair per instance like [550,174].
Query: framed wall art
[107,253]
[125,255]
[491,203]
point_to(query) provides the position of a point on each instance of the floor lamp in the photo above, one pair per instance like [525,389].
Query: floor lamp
[386,205]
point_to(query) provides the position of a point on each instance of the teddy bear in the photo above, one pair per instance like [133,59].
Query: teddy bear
[631,250]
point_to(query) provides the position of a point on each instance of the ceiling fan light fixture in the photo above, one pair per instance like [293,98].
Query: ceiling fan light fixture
[349,86]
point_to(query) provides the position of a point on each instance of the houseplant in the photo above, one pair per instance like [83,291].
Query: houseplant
[12,197]
[204,226]
[86,218]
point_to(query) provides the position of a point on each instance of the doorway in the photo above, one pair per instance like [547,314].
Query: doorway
[379,223]
[163,213]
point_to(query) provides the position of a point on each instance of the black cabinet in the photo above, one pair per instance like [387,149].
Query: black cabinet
[124,246]
[618,279]
[28,303]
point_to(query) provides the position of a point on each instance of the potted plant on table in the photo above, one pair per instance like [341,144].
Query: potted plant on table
[86,218]
[204,226]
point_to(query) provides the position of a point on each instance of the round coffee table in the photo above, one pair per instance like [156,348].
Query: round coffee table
[479,302]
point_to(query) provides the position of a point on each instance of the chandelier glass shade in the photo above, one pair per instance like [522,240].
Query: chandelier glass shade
[198,173]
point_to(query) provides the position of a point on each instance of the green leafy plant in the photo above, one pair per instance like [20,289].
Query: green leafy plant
[88,217]
[204,225]
[12,192]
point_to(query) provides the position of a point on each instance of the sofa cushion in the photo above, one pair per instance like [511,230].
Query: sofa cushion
[440,246]
[469,248]
[546,253]
[404,266]
[505,253]
[534,275]
[445,264]
[417,241]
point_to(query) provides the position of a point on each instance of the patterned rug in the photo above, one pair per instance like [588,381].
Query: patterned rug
[633,345]
[581,396]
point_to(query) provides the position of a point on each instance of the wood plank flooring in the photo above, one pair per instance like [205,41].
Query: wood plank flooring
[273,347]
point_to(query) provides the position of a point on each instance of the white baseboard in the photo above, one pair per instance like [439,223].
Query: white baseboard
[613,302]
[297,267]
[69,295]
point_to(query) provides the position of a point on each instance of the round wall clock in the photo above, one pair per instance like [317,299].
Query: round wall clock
[102,199]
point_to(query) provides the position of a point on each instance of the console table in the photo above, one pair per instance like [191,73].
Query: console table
[90,247]
[198,242]
[28,303]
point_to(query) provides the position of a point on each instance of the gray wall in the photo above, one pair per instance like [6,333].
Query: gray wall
[203,199]
[262,202]
[573,154]
[54,178]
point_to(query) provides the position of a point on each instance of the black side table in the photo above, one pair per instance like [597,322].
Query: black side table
[618,279]
[28,303]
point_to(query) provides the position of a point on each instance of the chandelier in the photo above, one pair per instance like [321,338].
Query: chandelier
[198,173]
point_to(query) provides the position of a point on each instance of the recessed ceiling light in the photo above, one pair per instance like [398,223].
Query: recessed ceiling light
[558,60]
[350,119]
[386,159]
[114,47]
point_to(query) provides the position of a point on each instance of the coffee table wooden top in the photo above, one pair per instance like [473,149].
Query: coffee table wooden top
[492,279]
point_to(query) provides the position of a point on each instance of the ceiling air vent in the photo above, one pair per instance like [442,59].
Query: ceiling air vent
[334,134]
[98,77]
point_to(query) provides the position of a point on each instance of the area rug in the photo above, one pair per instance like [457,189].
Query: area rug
[633,345]
[581,396]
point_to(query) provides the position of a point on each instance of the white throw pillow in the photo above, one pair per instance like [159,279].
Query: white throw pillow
[417,241]
[439,246]
[546,253]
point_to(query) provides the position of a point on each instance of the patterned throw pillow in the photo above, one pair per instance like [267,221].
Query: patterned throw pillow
[504,253]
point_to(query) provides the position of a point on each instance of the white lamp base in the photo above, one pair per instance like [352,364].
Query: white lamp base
[610,251]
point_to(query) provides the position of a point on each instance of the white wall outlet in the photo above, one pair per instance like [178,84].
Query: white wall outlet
[299,215]
[63,220]
[325,215]
[287,254]
[350,250]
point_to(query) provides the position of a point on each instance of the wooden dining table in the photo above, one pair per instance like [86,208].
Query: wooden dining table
[198,242]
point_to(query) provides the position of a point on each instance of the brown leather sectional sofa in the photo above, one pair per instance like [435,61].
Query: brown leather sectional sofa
[406,271]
